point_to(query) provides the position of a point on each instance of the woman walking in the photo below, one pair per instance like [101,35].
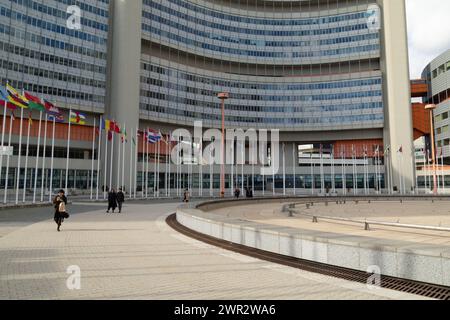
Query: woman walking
[112,200]
[60,202]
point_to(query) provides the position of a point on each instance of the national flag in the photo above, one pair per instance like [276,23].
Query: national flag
[58,118]
[16,98]
[110,136]
[114,127]
[77,118]
[30,119]
[4,97]
[12,115]
[124,137]
[51,108]
[34,102]
[153,136]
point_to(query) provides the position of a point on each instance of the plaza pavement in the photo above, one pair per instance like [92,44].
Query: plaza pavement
[135,255]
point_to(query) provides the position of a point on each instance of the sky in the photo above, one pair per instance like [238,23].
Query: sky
[428,32]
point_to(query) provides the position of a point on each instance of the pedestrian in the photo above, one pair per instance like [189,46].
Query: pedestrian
[237,193]
[112,200]
[60,202]
[186,196]
[120,199]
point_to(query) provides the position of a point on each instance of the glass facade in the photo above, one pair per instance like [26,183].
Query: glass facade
[40,54]
[283,68]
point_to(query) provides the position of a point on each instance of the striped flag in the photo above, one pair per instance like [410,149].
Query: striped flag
[34,102]
[16,98]
[4,97]
[153,136]
[52,109]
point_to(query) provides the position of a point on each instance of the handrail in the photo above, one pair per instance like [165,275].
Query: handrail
[367,223]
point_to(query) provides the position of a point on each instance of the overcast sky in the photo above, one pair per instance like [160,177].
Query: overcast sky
[429,32]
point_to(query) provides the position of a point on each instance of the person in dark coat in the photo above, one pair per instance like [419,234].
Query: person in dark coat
[120,199]
[59,215]
[112,200]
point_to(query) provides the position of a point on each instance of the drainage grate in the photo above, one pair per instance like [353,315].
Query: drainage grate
[388,282]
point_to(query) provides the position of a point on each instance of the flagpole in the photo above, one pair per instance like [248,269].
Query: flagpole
[333,171]
[158,169]
[93,159]
[344,174]
[8,160]
[19,157]
[111,163]
[312,173]
[68,152]
[148,166]
[284,169]
[105,174]
[136,154]
[44,156]
[119,160]
[37,157]
[50,192]
[124,143]
[100,131]
[166,174]
[3,135]
[442,171]
[131,168]
[26,160]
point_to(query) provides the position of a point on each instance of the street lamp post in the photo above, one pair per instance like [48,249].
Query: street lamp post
[431,108]
[223,96]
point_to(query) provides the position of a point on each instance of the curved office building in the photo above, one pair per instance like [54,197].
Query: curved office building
[331,75]
[437,74]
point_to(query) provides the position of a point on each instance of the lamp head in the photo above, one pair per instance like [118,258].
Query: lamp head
[430,107]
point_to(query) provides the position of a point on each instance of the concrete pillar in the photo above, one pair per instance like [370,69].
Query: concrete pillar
[397,92]
[123,91]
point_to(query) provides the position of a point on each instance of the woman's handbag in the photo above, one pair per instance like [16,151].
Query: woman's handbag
[62,210]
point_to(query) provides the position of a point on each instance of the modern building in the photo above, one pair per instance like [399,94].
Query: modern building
[332,75]
[437,74]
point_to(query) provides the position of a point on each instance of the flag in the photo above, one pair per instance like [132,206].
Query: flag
[51,108]
[12,115]
[110,136]
[153,136]
[114,127]
[124,137]
[134,141]
[4,97]
[57,118]
[77,118]
[16,98]
[30,119]
[34,102]
[401,149]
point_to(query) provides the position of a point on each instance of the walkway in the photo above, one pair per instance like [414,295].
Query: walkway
[137,256]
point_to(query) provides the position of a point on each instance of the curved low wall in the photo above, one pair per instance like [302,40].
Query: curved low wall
[424,263]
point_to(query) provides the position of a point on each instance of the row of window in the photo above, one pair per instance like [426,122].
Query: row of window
[337,121]
[307,87]
[259,43]
[441,70]
[249,20]
[441,117]
[305,98]
[83,4]
[44,9]
[53,75]
[257,30]
[266,54]
[50,58]
[181,75]
[28,36]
